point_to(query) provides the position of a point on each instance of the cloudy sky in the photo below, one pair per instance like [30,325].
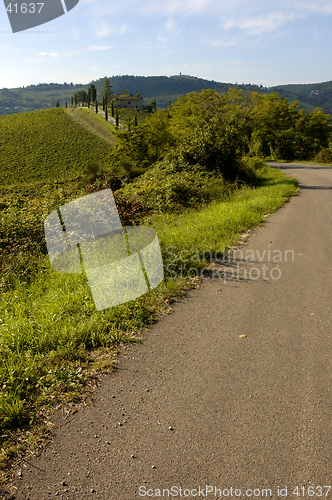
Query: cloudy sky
[266,42]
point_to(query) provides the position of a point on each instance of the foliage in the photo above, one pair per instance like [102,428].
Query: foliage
[281,131]
[324,156]
[215,133]
[164,188]
[107,89]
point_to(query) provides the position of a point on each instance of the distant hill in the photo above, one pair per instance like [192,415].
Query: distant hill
[162,88]
[310,95]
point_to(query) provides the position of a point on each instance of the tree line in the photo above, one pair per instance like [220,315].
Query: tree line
[217,133]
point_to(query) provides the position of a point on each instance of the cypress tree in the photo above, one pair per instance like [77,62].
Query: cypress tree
[107,88]
[103,103]
[66,104]
[112,108]
[106,114]
[136,123]
[117,119]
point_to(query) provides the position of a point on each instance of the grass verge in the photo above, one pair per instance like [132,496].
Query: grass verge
[52,340]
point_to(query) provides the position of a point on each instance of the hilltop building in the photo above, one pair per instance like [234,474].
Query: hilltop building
[124,100]
[181,76]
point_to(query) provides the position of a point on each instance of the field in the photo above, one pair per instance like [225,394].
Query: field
[52,339]
[43,147]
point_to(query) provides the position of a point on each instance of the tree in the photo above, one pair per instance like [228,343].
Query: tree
[107,89]
[93,92]
[96,103]
[135,122]
[66,104]
[76,99]
[106,113]
[113,108]
[117,119]
[57,105]
[72,100]
[103,103]
[82,96]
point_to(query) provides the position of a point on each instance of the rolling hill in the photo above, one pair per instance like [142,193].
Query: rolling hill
[47,146]
[162,88]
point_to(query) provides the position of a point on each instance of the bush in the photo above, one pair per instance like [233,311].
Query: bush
[168,187]
[324,156]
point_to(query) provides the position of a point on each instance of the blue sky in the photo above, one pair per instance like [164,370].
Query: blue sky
[266,42]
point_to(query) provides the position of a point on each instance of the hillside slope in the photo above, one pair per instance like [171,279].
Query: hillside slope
[311,95]
[46,146]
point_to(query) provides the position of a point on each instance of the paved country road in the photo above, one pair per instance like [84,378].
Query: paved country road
[196,404]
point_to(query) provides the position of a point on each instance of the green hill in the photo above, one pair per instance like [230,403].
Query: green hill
[46,146]
[162,88]
[311,95]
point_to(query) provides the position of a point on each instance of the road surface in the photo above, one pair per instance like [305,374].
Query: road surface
[231,391]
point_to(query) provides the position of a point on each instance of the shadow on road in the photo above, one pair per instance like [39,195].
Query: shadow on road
[314,187]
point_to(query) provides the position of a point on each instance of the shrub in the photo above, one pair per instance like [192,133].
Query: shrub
[324,156]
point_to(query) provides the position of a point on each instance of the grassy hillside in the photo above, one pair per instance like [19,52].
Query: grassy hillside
[46,146]
[93,122]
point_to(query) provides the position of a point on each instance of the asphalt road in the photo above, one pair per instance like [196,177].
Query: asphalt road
[196,404]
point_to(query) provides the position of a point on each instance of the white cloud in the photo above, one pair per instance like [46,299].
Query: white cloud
[99,47]
[170,24]
[50,54]
[259,25]
[104,29]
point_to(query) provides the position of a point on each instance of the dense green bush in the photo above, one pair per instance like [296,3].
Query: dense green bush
[167,187]
[324,156]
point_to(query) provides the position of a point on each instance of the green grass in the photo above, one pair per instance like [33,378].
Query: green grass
[93,122]
[46,146]
[49,328]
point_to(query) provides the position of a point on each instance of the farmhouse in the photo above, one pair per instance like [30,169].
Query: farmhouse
[124,100]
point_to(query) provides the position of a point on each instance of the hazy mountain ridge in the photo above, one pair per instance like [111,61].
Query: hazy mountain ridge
[164,89]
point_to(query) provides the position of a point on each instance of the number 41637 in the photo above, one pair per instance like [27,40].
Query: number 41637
[25,8]
[312,491]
